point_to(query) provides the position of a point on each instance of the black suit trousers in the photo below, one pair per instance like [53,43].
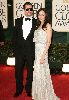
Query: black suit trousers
[22,57]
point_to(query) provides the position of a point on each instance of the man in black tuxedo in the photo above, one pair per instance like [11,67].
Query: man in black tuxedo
[2,38]
[24,48]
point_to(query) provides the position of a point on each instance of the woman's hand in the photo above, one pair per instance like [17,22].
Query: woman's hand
[42,59]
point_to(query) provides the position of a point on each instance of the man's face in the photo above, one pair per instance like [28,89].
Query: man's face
[28,11]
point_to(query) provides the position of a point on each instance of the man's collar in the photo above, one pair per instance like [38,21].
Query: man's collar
[28,17]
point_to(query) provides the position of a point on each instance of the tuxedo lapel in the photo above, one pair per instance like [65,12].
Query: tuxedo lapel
[33,27]
[20,23]
[33,23]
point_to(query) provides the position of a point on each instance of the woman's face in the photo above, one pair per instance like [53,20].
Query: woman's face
[41,16]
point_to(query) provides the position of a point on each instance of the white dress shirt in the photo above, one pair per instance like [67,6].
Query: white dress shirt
[27,25]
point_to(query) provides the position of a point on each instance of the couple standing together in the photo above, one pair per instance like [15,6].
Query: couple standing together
[31,41]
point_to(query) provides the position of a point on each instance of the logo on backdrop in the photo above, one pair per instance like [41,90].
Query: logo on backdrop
[3,13]
[60,15]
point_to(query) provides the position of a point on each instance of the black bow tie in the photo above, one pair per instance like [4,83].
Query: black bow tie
[27,19]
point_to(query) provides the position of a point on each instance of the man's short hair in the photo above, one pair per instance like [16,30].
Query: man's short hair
[27,3]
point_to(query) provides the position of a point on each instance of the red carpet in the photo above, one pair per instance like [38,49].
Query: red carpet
[7,84]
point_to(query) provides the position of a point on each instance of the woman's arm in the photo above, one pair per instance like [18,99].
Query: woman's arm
[49,35]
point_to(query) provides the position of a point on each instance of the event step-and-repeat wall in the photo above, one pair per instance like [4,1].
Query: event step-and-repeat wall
[17,10]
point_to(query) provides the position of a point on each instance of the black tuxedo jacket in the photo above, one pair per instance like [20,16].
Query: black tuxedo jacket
[20,44]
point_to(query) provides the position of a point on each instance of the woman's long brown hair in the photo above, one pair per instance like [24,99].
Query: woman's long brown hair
[47,18]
